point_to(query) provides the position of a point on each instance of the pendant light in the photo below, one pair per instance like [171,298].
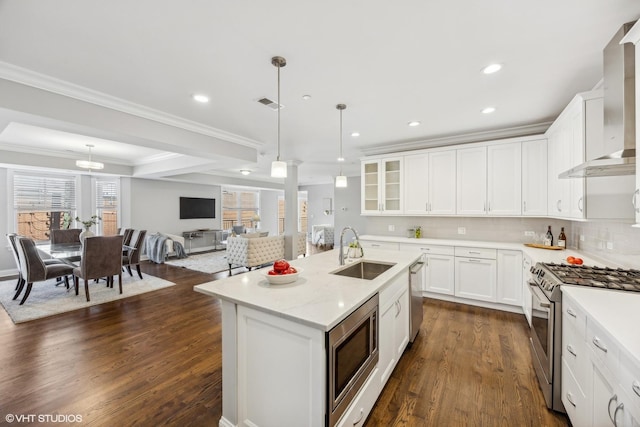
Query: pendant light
[278,168]
[88,164]
[341,180]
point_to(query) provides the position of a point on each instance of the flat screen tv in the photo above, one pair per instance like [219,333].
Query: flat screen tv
[196,207]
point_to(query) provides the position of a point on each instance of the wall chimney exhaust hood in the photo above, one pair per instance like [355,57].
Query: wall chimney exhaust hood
[619,113]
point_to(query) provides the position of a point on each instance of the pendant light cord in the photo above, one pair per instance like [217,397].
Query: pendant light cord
[341,158]
[279,107]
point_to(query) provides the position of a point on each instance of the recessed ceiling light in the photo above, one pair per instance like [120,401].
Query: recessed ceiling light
[488,110]
[341,159]
[355,134]
[305,97]
[414,123]
[200,98]
[492,68]
[245,171]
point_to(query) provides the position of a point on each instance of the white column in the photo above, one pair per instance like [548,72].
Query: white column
[291,209]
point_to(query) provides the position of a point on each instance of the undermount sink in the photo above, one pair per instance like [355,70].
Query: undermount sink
[367,270]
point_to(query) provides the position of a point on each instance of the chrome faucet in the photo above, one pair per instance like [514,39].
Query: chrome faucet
[341,255]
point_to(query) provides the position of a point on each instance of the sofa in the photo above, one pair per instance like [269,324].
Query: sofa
[251,250]
[322,235]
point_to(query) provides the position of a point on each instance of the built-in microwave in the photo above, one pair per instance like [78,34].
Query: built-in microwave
[352,348]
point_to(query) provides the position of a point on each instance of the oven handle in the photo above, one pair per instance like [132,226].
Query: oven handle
[538,294]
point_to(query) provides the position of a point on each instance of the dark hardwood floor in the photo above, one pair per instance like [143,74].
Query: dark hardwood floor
[155,359]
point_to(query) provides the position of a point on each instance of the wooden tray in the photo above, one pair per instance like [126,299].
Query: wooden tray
[539,246]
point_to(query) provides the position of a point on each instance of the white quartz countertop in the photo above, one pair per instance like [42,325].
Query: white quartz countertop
[618,312]
[536,255]
[318,298]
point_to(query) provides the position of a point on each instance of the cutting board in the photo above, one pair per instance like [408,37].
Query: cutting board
[539,246]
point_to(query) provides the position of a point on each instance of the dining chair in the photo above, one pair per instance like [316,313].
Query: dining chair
[101,257]
[132,257]
[126,236]
[33,269]
[11,237]
[239,229]
[71,235]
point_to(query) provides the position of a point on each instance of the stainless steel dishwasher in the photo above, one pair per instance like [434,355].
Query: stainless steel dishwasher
[415,283]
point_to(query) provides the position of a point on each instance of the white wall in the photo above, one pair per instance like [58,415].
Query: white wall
[6,258]
[316,194]
[269,211]
[155,206]
[347,209]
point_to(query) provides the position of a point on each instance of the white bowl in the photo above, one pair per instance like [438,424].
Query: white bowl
[280,279]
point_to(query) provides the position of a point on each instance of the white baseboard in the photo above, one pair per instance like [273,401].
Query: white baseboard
[225,423]
[485,304]
[7,273]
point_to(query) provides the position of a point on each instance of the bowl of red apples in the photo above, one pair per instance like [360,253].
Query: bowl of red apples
[281,273]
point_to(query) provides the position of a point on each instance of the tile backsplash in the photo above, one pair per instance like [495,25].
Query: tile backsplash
[618,243]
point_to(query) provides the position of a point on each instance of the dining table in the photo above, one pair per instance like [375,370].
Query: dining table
[70,252]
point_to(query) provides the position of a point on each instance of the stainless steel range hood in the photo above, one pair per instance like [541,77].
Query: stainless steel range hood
[619,113]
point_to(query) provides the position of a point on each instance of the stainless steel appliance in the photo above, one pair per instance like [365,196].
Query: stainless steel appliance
[415,282]
[352,355]
[546,325]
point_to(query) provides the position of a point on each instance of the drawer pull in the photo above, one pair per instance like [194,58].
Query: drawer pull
[571,313]
[571,350]
[570,399]
[615,414]
[474,260]
[425,249]
[474,252]
[597,343]
[636,388]
[374,245]
[356,421]
[614,398]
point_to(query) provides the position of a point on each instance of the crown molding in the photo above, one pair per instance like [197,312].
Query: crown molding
[31,78]
[512,132]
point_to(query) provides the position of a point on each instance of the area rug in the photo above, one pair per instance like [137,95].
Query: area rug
[46,299]
[211,262]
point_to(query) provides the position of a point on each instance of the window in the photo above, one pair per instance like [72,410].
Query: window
[106,200]
[43,203]
[239,207]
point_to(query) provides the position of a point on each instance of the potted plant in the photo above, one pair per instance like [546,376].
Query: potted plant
[87,224]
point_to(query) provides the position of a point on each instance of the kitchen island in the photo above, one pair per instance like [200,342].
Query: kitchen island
[274,355]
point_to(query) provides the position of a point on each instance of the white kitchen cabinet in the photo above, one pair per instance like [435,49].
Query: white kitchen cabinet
[471,181]
[509,281]
[534,178]
[394,325]
[430,183]
[527,301]
[633,36]
[504,178]
[382,186]
[598,375]
[439,267]
[475,274]
[577,136]
[488,180]
[375,244]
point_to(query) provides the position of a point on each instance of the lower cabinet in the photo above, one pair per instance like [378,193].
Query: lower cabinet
[526,292]
[439,273]
[362,405]
[475,274]
[394,325]
[509,284]
[597,378]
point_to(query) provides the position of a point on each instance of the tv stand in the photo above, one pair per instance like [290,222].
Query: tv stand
[213,236]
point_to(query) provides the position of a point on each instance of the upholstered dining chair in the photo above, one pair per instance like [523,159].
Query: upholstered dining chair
[33,269]
[71,235]
[101,257]
[132,256]
[11,237]
[126,235]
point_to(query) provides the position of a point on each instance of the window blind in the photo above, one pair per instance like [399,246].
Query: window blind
[44,193]
[106,195]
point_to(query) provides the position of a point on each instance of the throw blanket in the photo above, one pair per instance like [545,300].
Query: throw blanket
[156,248]
[179,250]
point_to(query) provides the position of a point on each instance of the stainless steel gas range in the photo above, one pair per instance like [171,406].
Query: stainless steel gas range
[546,324]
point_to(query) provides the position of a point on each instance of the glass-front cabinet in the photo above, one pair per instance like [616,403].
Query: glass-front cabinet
[382,186]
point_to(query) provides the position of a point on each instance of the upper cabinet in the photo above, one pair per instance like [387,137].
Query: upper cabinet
[633,36]
[534,178]
[382,186]
[489,180]
[577,136]
[430,183]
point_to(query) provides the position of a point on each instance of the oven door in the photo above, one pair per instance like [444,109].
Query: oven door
[542,324]
[353,354]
